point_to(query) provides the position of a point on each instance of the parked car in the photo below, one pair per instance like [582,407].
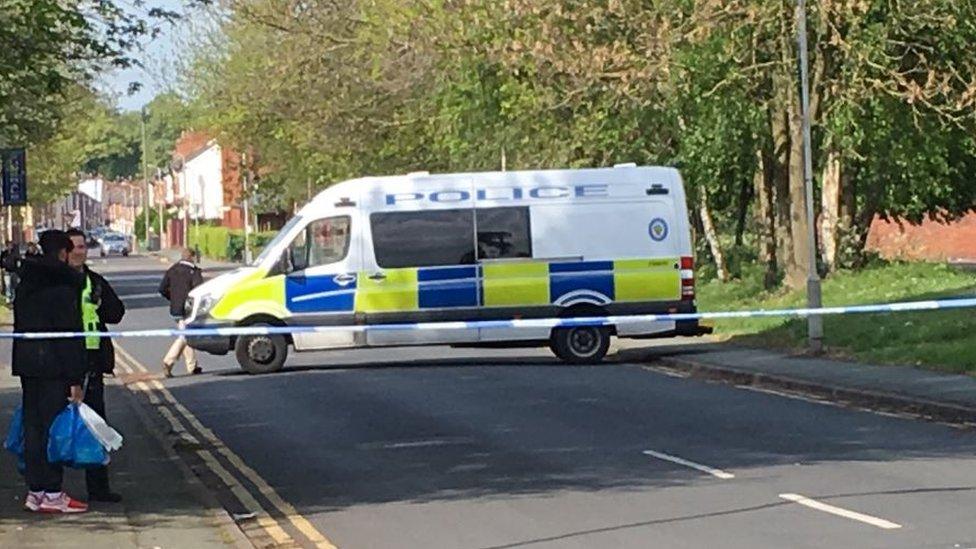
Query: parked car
[114,243]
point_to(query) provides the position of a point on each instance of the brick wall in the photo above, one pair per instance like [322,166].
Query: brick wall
[929,241]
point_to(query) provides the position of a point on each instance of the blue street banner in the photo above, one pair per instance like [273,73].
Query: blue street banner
[13,164]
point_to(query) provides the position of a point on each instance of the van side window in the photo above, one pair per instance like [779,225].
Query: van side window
[503,233]
[322,242]
[329,239]
[423,239]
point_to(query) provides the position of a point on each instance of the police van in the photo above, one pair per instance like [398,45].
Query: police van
[424,248]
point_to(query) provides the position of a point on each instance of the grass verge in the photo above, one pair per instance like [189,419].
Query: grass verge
[938,340]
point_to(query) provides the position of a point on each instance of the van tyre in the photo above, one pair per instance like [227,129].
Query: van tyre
[261,354]
[580,344]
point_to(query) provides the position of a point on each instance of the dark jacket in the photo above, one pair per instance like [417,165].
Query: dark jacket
[110,311]
[177,283]
[48,300]
[10,260]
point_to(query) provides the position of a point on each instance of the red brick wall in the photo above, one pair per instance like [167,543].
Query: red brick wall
[929,241]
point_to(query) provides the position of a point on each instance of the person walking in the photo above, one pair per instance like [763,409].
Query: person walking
[100,305]
[50,370]
[179,279]
[10,263]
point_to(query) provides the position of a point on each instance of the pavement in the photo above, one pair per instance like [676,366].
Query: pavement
[163,504]
[440,447]
[935,395]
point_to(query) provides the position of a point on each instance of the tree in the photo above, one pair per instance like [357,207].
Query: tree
[48,47]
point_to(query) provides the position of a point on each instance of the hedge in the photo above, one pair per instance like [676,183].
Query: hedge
[226,244]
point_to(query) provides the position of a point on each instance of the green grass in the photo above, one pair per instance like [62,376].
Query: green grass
[940,340]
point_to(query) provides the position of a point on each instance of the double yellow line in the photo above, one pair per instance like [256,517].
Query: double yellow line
[160,397]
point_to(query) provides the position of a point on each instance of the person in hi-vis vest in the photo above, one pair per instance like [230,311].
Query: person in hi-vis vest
[100,305]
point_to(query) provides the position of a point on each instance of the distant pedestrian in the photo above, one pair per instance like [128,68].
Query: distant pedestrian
[10,263]
[32,249]
[50,370]
[100,305]
[179,279]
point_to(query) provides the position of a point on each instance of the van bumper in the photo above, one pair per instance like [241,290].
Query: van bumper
[215,345]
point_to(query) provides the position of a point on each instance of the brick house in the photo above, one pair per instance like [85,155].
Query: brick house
[206,184]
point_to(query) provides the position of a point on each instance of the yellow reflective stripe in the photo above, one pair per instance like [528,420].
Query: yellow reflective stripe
[253,295]
[398,291]
[89,316]
[516,283]
[647,279]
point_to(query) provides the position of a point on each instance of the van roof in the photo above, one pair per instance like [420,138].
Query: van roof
[665,175]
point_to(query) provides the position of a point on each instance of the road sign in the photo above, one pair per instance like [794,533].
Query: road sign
[13,164]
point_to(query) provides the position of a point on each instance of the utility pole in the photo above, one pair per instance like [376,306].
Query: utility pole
[159,177]
[145,175]
[247,218]
[814,322]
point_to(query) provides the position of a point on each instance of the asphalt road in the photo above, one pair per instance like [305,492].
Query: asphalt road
[433,447]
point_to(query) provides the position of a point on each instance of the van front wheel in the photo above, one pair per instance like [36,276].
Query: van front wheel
[581,344]
[261,354]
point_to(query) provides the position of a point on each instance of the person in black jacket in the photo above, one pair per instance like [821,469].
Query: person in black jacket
[50,370]
[100,305]
[179,279]
[10,263]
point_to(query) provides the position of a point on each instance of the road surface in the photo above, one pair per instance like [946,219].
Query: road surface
[434,447]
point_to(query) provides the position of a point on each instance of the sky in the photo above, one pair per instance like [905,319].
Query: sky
[156,55]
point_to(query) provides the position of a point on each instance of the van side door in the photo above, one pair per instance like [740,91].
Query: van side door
[420,267]
[323,275]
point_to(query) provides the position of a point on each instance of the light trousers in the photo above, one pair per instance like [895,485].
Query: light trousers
[179,347]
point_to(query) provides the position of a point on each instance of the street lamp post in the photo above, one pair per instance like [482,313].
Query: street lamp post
[247,218]
[814,322]
[145,176]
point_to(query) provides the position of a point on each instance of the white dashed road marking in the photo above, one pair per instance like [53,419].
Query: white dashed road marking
[717,473]
[840,512]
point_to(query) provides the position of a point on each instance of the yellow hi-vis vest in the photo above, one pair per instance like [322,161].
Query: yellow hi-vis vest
[89,316]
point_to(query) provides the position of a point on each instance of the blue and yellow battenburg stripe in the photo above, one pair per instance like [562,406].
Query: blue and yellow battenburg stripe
[520,284]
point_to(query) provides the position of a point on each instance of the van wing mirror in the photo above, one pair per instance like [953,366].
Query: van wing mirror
[299,262]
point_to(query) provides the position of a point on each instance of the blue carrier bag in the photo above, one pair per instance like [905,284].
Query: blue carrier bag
[15,438]
[72,444]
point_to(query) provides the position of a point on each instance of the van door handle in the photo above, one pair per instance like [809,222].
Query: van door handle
[377,276]
[344,279]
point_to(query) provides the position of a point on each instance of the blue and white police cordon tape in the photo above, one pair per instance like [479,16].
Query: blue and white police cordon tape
[941,304]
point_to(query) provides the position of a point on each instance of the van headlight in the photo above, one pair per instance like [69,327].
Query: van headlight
[207,301]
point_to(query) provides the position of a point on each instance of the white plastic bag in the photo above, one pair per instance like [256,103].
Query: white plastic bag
[109,437]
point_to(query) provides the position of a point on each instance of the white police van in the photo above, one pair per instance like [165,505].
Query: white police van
[423,248]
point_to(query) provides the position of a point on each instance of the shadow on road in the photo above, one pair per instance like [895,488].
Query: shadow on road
[423,430]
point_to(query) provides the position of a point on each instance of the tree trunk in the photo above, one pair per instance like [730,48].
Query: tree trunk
[765,220]
[712,237]
[745,197]
[830,210]
[780,186]
[796,274]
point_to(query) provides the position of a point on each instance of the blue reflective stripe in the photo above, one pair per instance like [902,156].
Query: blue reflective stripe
[582,281]
[444,287]
[315,294]
[578,266]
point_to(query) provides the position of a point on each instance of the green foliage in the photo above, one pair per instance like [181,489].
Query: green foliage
[140,222]
[938,339]
[212,241]
[385,87]
[47,48]
[226,244]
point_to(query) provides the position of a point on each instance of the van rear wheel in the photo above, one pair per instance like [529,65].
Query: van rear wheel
[261,354]
[580,344]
